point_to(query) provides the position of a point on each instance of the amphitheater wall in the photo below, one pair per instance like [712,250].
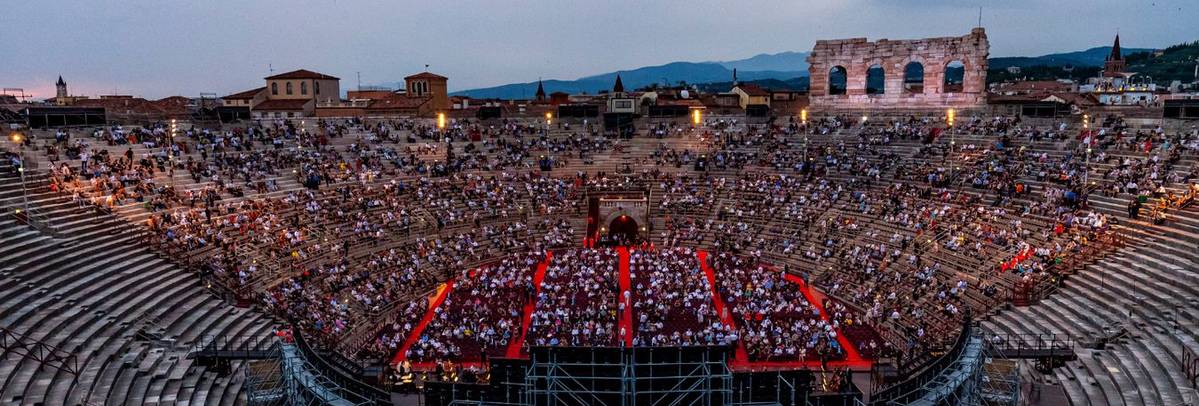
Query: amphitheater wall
[857,55]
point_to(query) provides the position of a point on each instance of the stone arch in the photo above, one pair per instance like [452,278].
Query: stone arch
[624,228]
[954,73]
[858,55]
[913,77]
[838,80]
[876,79]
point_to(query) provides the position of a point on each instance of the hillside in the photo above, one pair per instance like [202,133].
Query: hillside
[763,66]
[1091,57]
[1175,63]
[797,84]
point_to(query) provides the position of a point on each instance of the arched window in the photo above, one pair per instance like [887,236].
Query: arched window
[304,88]
[836,80]
[289,91]
[955,77]
[876,80]
[913,77]
[274,88]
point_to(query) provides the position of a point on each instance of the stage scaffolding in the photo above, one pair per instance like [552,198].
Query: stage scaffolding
[265,385]
[629,376]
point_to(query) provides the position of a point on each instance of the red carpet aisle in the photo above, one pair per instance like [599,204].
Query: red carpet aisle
[516,348]
[434,303]
[740,356]
[741,360]
[852,358]
[626,316]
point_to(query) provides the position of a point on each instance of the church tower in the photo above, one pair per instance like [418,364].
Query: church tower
[62,89]
[1114,65]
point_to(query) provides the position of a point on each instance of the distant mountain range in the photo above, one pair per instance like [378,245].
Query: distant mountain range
[784,65]
[1091,57]
[785,70]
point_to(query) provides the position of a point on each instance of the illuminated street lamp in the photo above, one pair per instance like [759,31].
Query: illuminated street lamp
[17,138]
[171,153]
[1087,168]
[696,117]
[441,121]
[803,116]
[953,135]
[549,118]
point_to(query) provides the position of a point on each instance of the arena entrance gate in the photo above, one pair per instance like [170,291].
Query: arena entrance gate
[623,228]
[618,217]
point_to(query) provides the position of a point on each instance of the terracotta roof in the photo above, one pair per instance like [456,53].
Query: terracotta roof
[175,106]
[426,75]
[283,105]
[753,90]
[398,102]
[249,94]
[301,74]
[1037,85]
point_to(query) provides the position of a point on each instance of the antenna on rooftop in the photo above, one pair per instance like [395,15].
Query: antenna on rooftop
[359,80]
[270,67]
[980,16]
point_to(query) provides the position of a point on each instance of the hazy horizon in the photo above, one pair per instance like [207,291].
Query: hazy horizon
[153,49]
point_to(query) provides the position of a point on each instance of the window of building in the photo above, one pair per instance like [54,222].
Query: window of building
[304,88]
[316,87]
[624,104]
[289,92]
[274,88]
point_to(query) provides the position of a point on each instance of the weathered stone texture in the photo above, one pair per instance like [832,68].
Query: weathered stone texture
[857,55]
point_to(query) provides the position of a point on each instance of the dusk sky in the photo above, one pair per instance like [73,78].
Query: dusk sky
[157,48]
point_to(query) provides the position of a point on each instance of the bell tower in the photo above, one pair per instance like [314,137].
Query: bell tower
[61,86]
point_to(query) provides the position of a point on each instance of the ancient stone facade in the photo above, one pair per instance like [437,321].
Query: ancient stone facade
[611,208]
[856,56]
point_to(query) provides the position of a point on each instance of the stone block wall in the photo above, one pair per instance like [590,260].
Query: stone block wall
[857,55]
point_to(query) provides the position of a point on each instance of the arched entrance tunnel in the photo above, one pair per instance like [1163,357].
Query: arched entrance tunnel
[623,230]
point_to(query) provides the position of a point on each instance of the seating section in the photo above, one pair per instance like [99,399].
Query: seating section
[578,304]
[773,318]
[482,315]
[672,301]
[125,246]
[1141,303]
[127,314]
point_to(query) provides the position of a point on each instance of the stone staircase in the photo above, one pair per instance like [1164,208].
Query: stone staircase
[1151,290]
[128,315]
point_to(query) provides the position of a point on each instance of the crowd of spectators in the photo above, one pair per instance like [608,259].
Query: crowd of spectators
[346,223]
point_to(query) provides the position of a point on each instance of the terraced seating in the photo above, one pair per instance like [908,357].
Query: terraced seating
[126,314]
[672,301]
[482,316]
[577,304]
[774,320]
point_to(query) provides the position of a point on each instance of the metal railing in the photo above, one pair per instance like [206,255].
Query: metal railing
[335,372]
[910,388]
